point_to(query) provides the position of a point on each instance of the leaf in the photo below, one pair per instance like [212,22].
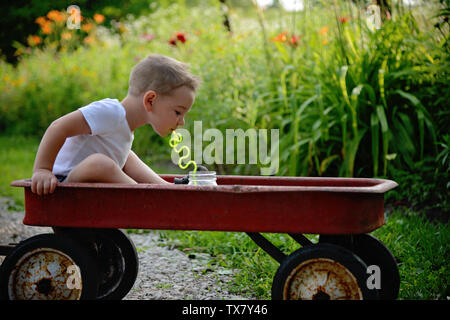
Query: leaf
[282,49]
[423,117]
[355,94]
[351,151]
[412,98]
[407,123]
[384,130]
[391,156]
[299,143]
[374,128]
[326,163]
[342,83]
[368,88]
[381,73]
[317,130]
[304,105]
[403,143]
[382,118]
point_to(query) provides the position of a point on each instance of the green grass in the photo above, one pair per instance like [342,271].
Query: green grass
[423,248]
[17,155]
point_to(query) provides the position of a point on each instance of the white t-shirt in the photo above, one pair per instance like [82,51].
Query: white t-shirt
[111,136]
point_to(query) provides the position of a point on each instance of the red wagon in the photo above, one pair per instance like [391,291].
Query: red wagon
[88,257]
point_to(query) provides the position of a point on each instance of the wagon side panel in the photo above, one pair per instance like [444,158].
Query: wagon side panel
[294,212]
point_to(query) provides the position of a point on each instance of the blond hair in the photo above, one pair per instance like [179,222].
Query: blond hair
[160,74]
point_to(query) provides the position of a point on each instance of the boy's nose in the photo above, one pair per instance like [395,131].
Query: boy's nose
[181,122]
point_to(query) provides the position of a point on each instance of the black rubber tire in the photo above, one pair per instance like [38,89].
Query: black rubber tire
[117,255]
[325,251]
[373,252]
[85,262]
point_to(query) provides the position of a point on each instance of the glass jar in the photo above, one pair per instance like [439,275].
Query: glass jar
[202,178]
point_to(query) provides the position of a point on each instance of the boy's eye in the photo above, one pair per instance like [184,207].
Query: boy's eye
[177,113]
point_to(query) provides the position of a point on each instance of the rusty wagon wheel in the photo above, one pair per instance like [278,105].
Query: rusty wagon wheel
[321,272]
[373,252]
[115,255]
[48,267]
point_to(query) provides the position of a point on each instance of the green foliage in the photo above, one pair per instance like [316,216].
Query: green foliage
[43,88]
[16,157]
[348,100]
[422,249]
[370,119]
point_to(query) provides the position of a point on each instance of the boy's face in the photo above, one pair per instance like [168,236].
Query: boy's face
[167,111]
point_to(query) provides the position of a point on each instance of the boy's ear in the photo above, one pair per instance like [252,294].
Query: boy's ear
[149,99]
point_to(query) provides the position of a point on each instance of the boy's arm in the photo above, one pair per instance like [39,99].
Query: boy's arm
[72,124]
[136,169]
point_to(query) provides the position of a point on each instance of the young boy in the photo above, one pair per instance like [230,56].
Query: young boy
[93,143]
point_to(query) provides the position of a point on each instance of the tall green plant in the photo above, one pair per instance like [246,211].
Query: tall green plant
[368,93]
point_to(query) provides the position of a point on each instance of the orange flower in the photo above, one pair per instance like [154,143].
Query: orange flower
[66,35]
[282,37]
[40,20]
[86,27]
[344,19]
[323,30]
[34,40]
[291,40]
[55,15]
[46,27]
[99,18]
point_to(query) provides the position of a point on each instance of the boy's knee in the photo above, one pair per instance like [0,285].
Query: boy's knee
[100,162]
[98,165]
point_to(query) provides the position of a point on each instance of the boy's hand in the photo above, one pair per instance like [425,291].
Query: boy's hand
[43,182]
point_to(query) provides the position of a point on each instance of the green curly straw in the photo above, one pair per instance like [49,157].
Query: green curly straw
[176,139]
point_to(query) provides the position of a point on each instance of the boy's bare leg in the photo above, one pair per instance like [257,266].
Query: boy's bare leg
[98,168]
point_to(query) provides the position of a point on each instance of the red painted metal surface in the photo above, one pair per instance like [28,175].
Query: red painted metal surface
[238,203]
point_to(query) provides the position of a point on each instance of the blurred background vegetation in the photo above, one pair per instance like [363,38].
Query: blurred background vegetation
[349,99]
